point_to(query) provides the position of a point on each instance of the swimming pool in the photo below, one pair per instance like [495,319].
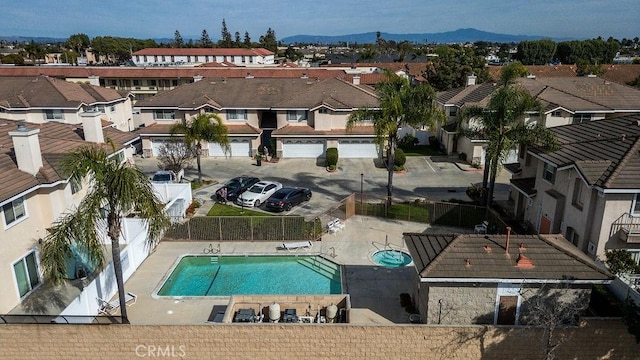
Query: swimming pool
[252,275]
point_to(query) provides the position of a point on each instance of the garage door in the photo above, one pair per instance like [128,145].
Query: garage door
[303,148]
[357,149]
[156,144]
[239,148]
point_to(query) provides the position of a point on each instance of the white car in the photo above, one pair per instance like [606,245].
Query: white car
[258,193]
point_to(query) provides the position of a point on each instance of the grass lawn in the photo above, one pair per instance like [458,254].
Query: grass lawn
[196,185]
[420,150]
[230,210]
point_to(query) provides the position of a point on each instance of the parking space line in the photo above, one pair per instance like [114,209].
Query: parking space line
[429,163]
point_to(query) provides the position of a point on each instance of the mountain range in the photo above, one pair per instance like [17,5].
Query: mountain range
[448,37]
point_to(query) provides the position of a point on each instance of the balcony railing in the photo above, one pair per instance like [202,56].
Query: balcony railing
[627,227]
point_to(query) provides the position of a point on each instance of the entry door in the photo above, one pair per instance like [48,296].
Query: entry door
[507,310]
[545,225]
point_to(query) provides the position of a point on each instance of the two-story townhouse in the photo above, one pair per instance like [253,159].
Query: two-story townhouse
[34,193]
[193,56]
[589,189]
[300,117]
[42,99]
[565,100]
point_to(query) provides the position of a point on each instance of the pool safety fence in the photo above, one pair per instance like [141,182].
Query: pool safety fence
[9,319]
[245,228]
[420,210]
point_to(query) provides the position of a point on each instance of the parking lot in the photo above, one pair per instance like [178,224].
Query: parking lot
[432,178]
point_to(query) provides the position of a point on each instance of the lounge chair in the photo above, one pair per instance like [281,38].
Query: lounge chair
[482,228]
[297,245]
[335,225]
[108,307]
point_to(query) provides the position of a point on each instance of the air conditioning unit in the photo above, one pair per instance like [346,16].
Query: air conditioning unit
[591,249]
[529,202]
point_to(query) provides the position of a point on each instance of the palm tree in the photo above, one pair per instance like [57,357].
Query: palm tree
[501,123]
[116,189]
[203,127]
[401,104]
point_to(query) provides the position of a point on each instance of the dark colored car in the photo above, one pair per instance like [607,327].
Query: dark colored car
[286,198]
[238,185]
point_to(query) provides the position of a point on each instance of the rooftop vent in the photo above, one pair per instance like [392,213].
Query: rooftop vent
[486,248]
[524,262]
[521,247]
[467,262]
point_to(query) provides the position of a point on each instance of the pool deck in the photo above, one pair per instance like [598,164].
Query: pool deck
[374,290]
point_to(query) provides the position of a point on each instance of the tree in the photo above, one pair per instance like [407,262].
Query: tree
[452,67]
[177,39]
[237,43]
[202,127]
[78,42]
[537,52]
[247,40]
[620,261]
[401,104]
[501,124]
[551,308]
[205,40]
[225,37]
[268,41]
[12,59]
[174,155]
[116,190]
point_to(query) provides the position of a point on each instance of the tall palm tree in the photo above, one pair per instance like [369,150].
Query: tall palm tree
[502,124]
[202,127]
[116,189]
[401,104]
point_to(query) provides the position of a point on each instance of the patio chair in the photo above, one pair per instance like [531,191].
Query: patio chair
[482,228]
[108,307]
[297,245]
[335,225]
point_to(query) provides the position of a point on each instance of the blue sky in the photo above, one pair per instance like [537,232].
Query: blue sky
[160,18]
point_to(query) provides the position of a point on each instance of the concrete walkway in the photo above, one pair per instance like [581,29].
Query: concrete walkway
[374,290]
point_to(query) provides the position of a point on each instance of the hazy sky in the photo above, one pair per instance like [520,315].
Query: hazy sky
[160,18]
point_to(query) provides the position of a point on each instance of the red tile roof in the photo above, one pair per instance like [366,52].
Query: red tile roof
[204,52]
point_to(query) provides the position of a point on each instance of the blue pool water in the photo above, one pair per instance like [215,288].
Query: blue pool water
[252,275]
[391,258]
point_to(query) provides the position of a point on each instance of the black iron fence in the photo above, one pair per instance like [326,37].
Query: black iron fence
[9,319]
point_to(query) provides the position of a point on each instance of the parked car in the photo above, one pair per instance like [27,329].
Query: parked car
[238,185]
[286,198]
[258,193]
[167,176]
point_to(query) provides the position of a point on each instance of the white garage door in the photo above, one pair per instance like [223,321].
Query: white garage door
[156,144]
[366,149]
[303,149]
[239,148]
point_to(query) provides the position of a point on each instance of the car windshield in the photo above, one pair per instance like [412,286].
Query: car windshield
[256,189]
[232,184]
[161,177]
[279,195]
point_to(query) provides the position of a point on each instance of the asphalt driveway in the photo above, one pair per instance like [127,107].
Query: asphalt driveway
[431,178]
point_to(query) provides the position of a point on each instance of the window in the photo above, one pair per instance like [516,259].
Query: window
[14,211]
[572,236]
[236,114]
[97,108]
[522,152]
[549,173]
[635,206]
[164,114]
[151,82]
[453,111]
[53,115]
[113,82]
[296,115]
[578,193]
[136,82]
[580,118]
[323,111]
[75,187]
[556,113]
[26,273]
[174,82]
[112,108]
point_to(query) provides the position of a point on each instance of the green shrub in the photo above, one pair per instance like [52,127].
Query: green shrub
[399,159]
[434,143]
[332,157]
[408,140]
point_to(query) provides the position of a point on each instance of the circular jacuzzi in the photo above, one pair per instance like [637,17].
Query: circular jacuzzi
[391,258]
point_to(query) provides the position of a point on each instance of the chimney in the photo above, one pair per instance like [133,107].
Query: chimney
[356,80]
[92,126]
[26,146]
[197,78]
[471,79]
[508,238]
